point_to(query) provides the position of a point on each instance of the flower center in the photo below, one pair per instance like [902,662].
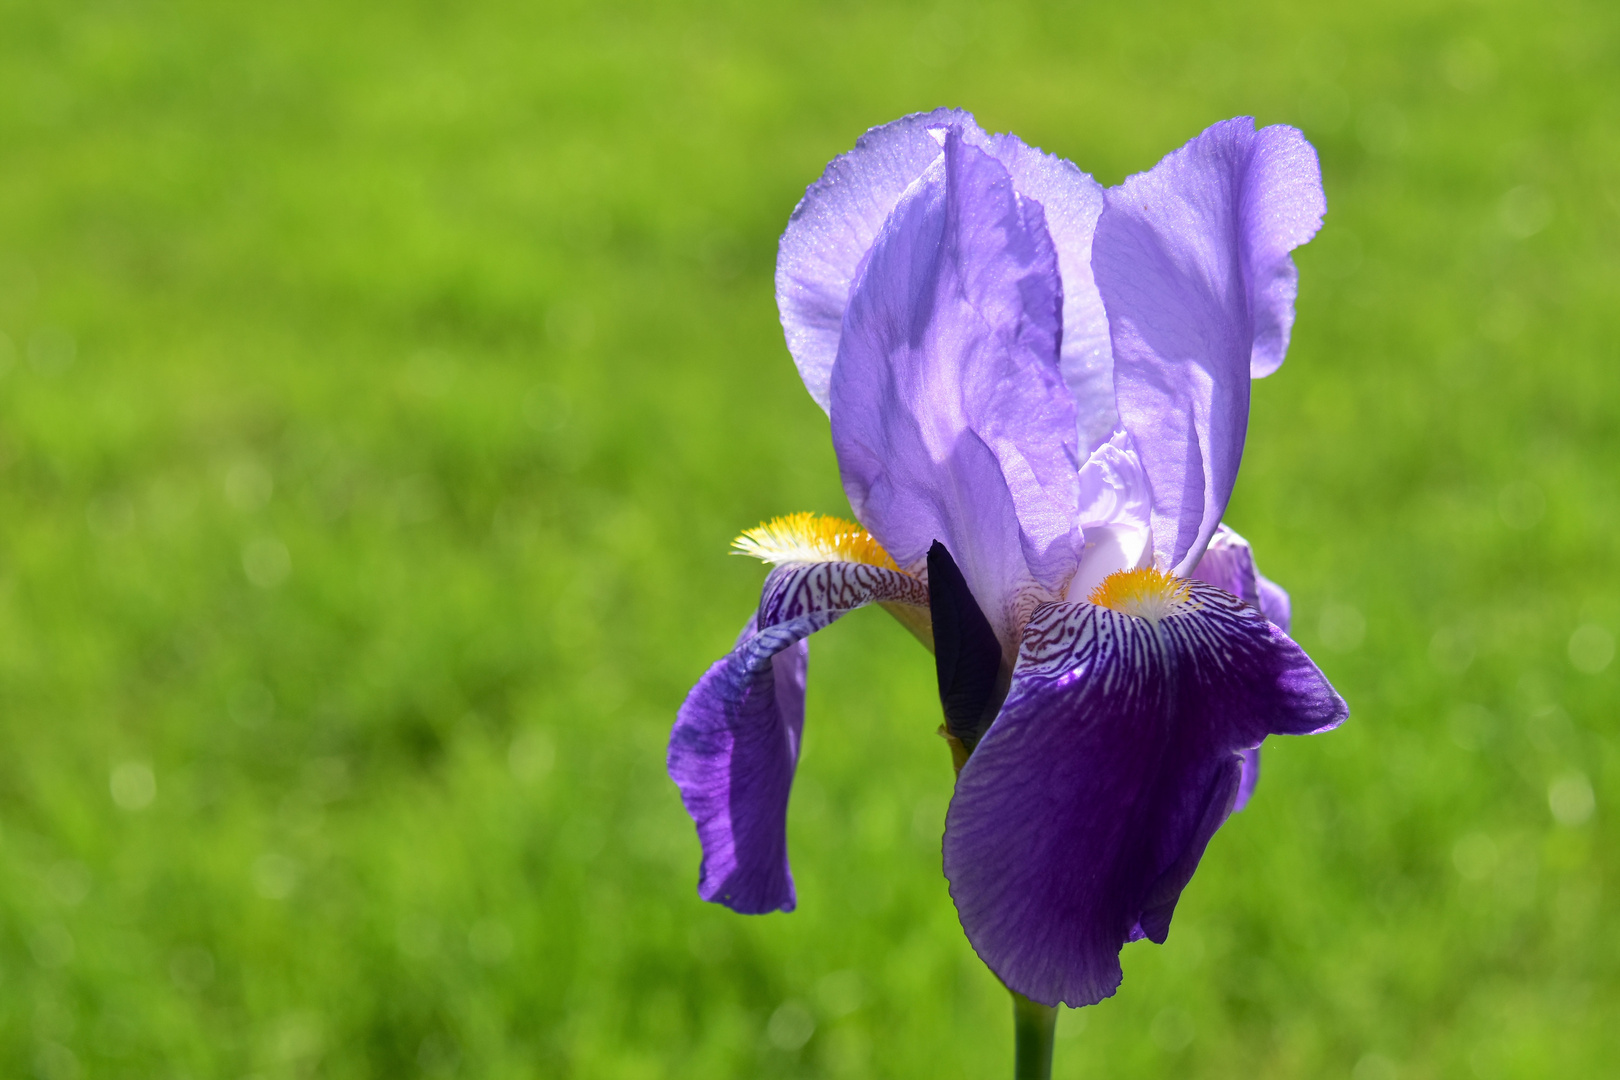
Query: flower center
[812,538]
[1147,593]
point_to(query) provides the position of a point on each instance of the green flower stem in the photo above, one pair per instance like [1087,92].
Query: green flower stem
[1033,1027]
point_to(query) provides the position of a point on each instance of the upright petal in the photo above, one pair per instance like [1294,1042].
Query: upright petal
[1086,807]
[735,745]
[1191,259]
[839,218]
[1072,201]
[949,413]
[833,228]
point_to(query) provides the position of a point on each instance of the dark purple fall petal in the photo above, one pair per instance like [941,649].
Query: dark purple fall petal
[949,414]
[1274,605]
[1249,779]
[736,739]
[1228,563]
[1191,259]
[1274,602]
[1084,810]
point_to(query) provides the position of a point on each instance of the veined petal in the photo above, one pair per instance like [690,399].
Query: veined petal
[1228,563]
[824,592]
[1191,259]
[833,228]
[735,745]
[1274,602]
[1085,808]
[1248,779]
[949,413]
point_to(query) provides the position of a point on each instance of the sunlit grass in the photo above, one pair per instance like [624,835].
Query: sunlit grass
[381,387]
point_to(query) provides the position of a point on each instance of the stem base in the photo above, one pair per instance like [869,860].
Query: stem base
[1034,1025]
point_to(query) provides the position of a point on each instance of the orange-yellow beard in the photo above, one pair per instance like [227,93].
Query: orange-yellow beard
[1147,593]
[812,538]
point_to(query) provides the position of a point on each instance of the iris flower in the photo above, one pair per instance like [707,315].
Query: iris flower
[1038,390]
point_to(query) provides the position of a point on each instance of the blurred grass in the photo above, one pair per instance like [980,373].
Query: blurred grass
[382,384]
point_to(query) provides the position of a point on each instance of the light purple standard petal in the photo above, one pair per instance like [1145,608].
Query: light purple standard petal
[736,739]
[841,214]
[1072,201]
[949,413]
[1191,259]
[834,226]
[1083,812]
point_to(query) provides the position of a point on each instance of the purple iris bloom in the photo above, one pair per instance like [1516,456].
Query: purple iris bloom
[1039,391]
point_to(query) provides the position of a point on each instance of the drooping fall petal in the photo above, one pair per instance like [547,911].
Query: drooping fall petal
[735,745]
[1228,563]
[1085,809]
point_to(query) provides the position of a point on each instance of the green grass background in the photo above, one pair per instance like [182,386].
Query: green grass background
[381,385]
